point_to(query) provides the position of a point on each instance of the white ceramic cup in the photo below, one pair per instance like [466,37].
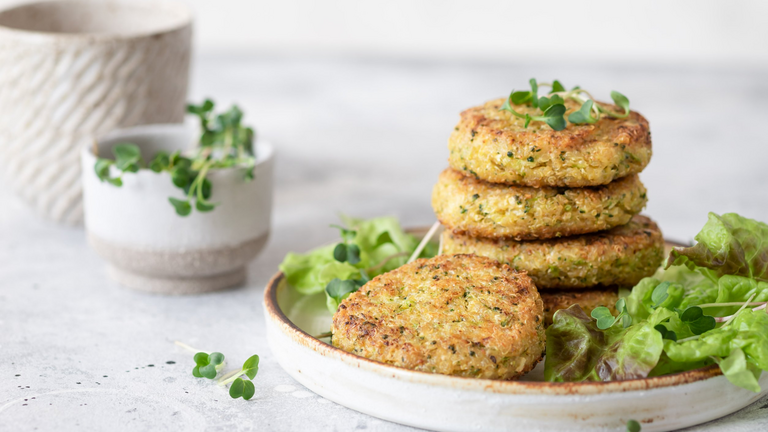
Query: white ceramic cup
[151,248]
[73,70]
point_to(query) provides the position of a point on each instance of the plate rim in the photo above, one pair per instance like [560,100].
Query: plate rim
[277,316]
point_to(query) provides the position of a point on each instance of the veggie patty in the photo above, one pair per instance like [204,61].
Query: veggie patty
[620,256]
[495,146]
[480,209]
[459,315]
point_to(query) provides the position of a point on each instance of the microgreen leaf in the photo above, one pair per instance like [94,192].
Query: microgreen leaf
[519,97]
[340,289]
[621,101]
[160,162]
[633,426]
[544,103]
[248,389]
[236,389]
[603,317]
[183,208]
[346,234]
[353,254]
[201,359]
[697,321]
[553,117]
[117,181]
[665,334]
[180,176]
[127,157]
[251,366]
[208,371]
[340,252]
[196,372]
[215,358]
[692,314]
[557,87]
[583,115]
[204,206]
[102,168]
[534,93]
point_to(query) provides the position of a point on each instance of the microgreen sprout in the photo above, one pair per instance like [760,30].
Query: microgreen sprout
[605,318]
[242,387]
[633,426]
[338,289]
[553,109]
[697,321]
[208,365]
[223,143]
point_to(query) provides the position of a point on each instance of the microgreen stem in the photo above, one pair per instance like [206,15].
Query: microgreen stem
[229,377]
[385,261]
[707,305]
[424,242]
[189,348]
[727,319]
[324,335]
[689,339]
[440,247]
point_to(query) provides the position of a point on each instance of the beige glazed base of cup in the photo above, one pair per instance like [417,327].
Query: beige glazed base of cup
[175,273]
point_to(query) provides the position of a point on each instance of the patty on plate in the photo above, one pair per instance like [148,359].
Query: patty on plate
[588,300]
[459,315]
[480,209]
[620,256]
[495,146]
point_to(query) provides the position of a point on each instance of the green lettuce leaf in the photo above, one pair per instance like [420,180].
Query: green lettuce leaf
[727,245]
[740,372]
[747,333]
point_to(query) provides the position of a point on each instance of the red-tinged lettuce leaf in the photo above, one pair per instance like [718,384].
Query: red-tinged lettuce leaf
[578,351]
[727,245]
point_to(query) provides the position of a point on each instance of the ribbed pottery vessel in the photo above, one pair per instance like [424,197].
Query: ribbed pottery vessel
[71,71]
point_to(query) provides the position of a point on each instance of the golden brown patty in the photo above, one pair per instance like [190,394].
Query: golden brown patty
[620,256]
[481,209]
[588,300]
[453,314]
[494,146]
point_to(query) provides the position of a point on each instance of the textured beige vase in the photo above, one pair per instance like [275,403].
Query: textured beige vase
[71,71]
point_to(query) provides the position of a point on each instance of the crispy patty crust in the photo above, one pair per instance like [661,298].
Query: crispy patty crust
[459,315]
[620,256]
[480,209]
[588,300]
[494,146]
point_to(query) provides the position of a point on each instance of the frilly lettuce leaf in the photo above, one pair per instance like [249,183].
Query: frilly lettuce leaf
[727,245]
[578,351]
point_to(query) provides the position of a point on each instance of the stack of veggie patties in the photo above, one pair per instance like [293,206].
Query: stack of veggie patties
[560,205]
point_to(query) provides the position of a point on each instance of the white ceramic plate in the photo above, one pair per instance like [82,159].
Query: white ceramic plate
[447,403]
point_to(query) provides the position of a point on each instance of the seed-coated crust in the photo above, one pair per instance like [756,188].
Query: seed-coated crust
[588,300]
[458,315]
[620,256]
[480,209]
[494,146]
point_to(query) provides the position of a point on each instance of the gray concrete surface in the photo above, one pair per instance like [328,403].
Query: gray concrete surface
[78,352]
